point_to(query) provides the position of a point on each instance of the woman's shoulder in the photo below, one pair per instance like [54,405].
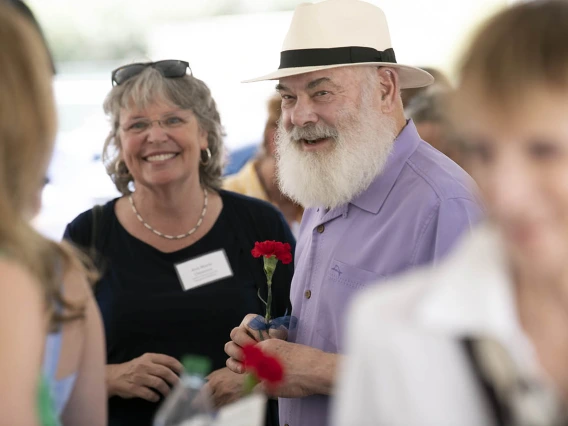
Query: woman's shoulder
[80,228]
[86,216]
[257,218]
[245,203]
[14,275]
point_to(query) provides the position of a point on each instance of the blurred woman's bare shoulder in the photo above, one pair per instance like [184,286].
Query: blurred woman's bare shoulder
[16,280]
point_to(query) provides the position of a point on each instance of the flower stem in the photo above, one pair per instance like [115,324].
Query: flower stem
[269,301]
[260,297]
[250,382]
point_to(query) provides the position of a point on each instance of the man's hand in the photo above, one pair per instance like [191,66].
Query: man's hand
[224,387]
[307,371]
[244,335]
[143,377]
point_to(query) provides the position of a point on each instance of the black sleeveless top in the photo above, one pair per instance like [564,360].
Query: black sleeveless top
[145,308]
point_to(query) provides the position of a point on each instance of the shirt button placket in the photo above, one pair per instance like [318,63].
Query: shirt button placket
[308,293]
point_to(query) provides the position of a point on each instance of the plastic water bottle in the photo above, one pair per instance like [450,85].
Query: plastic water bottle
[187,404]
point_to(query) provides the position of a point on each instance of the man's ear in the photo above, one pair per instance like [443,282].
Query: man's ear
[389,88]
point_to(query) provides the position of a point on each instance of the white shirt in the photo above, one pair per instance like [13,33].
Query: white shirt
[405,362]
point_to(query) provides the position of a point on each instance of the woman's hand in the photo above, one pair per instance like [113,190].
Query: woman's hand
[144,377]
[224,387]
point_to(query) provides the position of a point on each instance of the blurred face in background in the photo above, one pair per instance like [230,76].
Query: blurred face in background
[274,110]
[269,137]
[519,158]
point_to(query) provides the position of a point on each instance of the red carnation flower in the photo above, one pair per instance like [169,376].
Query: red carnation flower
[264,367]
[269,369]
[282,251]
[252,355]
[272,252]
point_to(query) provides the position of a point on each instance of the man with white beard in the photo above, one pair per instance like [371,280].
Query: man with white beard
[379,199]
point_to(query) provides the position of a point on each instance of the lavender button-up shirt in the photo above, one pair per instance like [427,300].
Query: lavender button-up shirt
[410,215]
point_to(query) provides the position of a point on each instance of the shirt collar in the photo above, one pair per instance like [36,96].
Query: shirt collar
[374,196]
[471,295]
[472,275]
[326,215]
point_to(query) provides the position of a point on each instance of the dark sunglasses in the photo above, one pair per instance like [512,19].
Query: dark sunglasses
[171,68]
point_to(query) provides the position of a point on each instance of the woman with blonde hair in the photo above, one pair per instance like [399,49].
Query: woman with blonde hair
[483,338]
[47,313]
[175,249]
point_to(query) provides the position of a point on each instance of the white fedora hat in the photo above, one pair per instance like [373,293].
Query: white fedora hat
[340,33]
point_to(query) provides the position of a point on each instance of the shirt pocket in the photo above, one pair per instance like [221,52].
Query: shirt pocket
[350,276]
[343,282]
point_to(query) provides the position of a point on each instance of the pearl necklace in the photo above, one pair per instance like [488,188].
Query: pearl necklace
[172,237]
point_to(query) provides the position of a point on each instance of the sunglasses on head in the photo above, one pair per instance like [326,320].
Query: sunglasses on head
[171,68]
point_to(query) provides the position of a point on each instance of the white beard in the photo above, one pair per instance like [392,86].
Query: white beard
[362,143]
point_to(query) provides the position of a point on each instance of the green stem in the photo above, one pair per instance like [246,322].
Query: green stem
[260,297]
[250,382]
[269,301]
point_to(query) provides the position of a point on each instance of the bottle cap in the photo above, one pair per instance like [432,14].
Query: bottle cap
[196,365]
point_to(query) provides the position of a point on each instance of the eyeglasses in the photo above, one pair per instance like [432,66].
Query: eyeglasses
[169,122]
[171,68]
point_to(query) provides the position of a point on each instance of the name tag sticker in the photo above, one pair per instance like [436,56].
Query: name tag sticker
[204,270]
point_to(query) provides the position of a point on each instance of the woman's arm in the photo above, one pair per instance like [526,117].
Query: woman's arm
[87,404]
[22,336]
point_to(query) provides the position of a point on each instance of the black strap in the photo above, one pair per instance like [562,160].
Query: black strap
[499,409]
[96,226]
[334,56]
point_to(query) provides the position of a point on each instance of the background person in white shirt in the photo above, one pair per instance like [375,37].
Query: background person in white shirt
[483,338]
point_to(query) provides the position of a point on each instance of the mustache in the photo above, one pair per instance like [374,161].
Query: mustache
[311,132]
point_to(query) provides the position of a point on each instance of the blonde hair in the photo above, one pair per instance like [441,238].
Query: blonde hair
[27,132]
[522,48]
[186,92]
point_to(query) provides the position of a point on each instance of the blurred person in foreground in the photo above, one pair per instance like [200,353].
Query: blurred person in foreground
[258,177]
[51,338]
[430,111]
[164,154]
[379,199]
[482,339]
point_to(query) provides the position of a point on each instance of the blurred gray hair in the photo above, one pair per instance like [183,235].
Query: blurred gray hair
[429,105]
[151,86]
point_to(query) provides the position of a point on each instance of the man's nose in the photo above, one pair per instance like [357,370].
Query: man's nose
[303,113]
